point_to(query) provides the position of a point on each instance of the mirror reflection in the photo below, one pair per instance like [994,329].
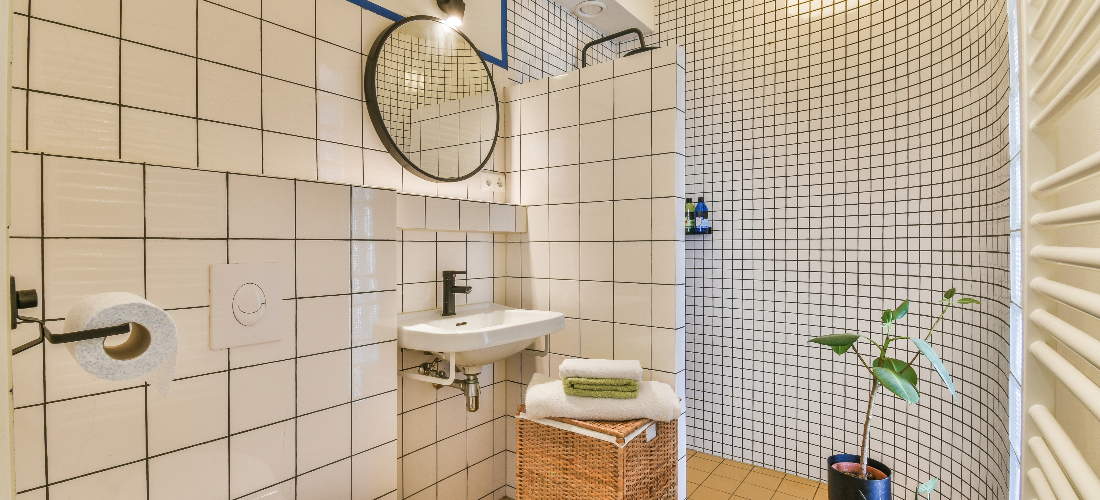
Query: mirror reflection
[433,99]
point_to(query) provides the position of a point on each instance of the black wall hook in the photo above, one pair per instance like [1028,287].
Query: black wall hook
[25,299]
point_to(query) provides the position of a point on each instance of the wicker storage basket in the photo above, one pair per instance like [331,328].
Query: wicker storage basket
[566,459]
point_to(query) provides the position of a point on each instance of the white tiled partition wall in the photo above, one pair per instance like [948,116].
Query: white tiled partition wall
[853,154]
[312,414]
[597,157]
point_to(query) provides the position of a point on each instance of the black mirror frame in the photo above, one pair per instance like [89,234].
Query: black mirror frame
[375,114]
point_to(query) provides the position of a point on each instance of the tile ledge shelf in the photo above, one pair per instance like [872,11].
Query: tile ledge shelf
[417,212]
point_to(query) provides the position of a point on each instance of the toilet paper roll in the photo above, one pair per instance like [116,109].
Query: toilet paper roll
[149,352]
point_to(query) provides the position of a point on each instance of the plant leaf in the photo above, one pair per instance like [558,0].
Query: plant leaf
[898,366]
[897,384]
[837,340]
[948,294]
[930,353]
[968,300]
[887,317]
[928,487]
[901,311]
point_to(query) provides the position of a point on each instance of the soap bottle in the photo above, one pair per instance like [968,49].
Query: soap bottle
[689,217]
[702,217]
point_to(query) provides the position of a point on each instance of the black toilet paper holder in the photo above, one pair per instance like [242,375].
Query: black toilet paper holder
[25,299]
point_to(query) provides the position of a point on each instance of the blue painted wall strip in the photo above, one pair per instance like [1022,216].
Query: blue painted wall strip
[393,16]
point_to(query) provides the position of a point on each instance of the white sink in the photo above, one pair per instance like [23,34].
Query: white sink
[479,334]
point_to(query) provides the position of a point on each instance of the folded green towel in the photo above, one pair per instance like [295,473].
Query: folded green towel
[613,388]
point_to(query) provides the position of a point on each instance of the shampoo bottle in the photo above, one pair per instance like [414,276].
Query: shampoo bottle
[689,217]
[702,217]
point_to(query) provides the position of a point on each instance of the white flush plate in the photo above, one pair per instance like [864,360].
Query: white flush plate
[246,304]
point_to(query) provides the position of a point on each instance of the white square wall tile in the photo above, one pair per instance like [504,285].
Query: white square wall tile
[260,395]
[324,437]
[375,472]
[184,203]
[339,163]
[534,114]
[26,195]
[634,342]
[598,261]
[73,62]
[324,381]
[668,219]
[411,211]
[474,216]
[167,24]
[597,181]
[633,262]
[194,356]
[599,211]
[229,95]
[94,433]
[228,37]
[288,55]
[502,218]
[99,15]
[565,108]
[664,87]
[340,22]
[372,267]
[598,141]
[632,94]
[122,483]
[633,303]
[373,369]
[289,156]
[323,267]
[565,222]
[564,146]
[76,269]
[324,324]
[373,421]
[332,481]
[637,62]
[195,410]
[298,16]
[158,138]
[564,184]
[374,214]
[368,311]
[534,151]
[597,101]
[177,272]
[75,127]
[323,211]
[260,207]
[441,214]
[339,119]
[172,476]
[418,428]
[668,132]
[30,447]
[92,198]
[158,80]
[630,135]
[668,175]
[632,219]
[632,178]
[261,457]
[424,463]
[226,148]
[289,108]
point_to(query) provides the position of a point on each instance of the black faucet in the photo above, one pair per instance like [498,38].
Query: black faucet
[449,291]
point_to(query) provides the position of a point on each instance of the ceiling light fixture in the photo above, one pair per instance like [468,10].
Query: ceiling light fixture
[453,10]
[589,8]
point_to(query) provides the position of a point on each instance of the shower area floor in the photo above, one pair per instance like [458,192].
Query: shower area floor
[713,478]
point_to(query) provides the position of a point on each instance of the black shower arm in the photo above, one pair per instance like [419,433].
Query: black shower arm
[584,53]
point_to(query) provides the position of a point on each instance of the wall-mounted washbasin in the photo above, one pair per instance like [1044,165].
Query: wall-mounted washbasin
[478,334]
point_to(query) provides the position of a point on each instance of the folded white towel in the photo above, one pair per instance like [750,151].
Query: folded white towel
[630,369]
[547,398]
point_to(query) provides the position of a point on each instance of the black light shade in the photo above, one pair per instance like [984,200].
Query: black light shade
[453,10]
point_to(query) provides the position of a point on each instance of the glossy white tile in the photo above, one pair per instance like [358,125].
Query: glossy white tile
[91,198]
[374,214]
[166,24]
[375,472]
[157,80]
[373,369]
[30,447]
[289,108]
[288,55]
[323,437]
[260,207]
[324,324]
[69,126]
[441,214]
[78,268]
[374,422]
[269,351]
[323,211]
[158,138]
[197,472]
[122,483]
[183,203]
[177,272]
[228,94]
[260,395]
[341,24]
[632,94]
[323,267]
[371,266]
[101,16]
[339,163]
[332,481]
[195,410]
[94,433]
[229,37]
[73,62]
[261,458]
[194,356]
[323,381]
[274,251]
[226,148]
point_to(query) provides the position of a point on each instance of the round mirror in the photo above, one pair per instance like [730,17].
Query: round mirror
[431,99]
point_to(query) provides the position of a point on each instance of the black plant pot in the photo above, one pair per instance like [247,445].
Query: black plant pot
[845,487]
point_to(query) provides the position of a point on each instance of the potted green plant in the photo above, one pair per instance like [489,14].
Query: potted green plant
[856,477]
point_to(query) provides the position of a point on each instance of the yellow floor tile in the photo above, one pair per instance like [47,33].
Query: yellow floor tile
[822,494]
[800,479]
[704,493]
[691,487]
[722,483]
[702,464]
[735,463]
[696,476]
[784,496]
[797,490]
[706,456]
[727,470]
[752,492]
[770,472]
[760,478]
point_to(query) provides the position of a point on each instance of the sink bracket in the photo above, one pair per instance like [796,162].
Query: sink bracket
[432,379]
